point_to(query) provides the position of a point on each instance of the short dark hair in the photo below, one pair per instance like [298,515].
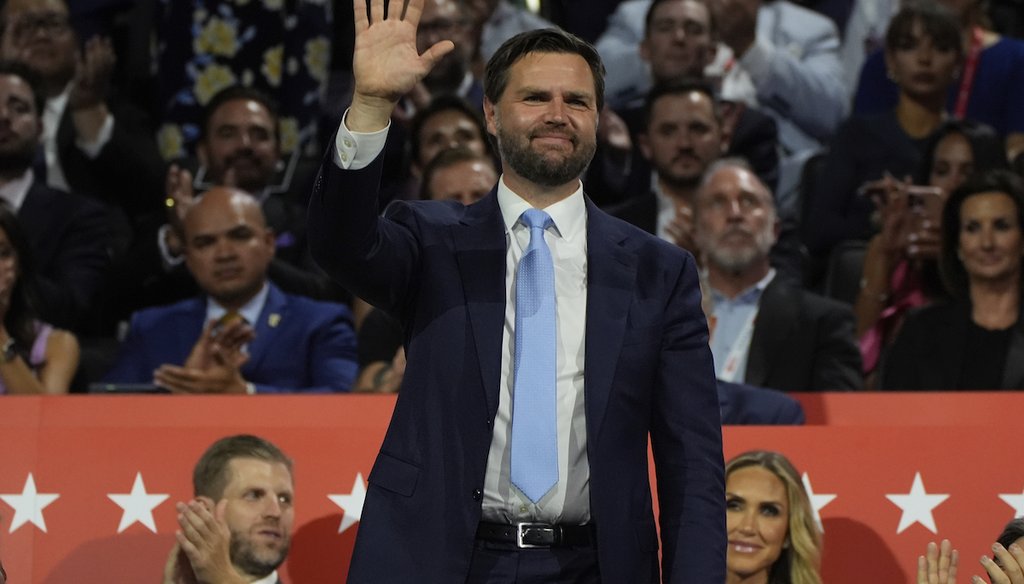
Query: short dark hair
[954,276]
[30,77]
[210,476]
[938,22]
[443,103]
[237,93]
[712,25]
[544,40]
[987,149]
[450,157]
[20,318]
[681,87]
[1013,531]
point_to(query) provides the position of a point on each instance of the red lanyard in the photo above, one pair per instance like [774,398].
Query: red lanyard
[967,80]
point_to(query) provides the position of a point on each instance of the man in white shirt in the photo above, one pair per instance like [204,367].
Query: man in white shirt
[621,358]
[238,528]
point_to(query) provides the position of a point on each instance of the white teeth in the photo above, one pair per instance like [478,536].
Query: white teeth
[743,549]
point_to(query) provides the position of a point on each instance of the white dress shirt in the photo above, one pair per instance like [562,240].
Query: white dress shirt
[569,500]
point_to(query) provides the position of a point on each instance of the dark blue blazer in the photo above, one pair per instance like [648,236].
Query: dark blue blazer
[748,405]
[301,345]
[440,269]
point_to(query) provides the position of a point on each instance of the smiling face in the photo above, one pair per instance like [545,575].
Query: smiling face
[259,514]
[757,522]
[545,121]
[991,244]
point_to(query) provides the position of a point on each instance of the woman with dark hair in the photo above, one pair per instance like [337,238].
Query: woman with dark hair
[923,54]
[976,340]
[773,537]
[35,358]
[900,268]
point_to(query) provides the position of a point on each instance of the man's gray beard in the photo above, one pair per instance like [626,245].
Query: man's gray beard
[533,166]
[737,261]
[243,556]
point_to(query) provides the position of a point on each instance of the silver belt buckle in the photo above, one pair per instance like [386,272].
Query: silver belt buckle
[521,527]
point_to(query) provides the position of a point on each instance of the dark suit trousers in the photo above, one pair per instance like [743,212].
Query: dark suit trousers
[496,563]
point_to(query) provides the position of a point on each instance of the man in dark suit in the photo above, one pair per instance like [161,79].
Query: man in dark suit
[624,345]
[768,332]
[238,527]
[67,233]
[196,345]
[94,144]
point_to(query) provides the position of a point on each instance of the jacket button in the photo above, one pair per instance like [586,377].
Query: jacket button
[477,494]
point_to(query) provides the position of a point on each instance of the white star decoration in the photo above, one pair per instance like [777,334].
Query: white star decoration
[917,506]
[28,505]
[351,503]
[1016,501]
[818,501]
[138,505]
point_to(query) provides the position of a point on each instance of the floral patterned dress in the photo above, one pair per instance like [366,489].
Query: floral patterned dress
[281,47]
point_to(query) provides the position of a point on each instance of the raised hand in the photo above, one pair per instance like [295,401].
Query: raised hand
[938,565]
[92,75]
[385,63]
[206,541]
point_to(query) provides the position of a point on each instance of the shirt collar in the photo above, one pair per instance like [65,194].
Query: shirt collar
[15,191]
[250,311]
[569,215]
[270,579]
[750,295]
[664,201]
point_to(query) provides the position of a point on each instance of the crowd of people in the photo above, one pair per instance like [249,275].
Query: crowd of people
[157,240]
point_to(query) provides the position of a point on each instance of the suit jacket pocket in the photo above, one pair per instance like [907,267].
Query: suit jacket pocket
[394,475]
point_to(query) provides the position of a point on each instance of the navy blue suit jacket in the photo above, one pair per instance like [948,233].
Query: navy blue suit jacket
[301,345]
[440,269]
[748,405]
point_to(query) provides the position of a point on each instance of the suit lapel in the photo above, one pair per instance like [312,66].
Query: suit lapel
[611,279]
[776,315]
[274,311]
[191,326]
[480,251]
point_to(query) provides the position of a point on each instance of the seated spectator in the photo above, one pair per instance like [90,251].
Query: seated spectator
[94,143]
[500,20]
[240,146]
[238,526]
[280,48]
[773,536]
[460,175]
[34,356]
[990,88]
[784,61]
[267,342]
[769,332]
[975,341]
[900,270]
[67,234]
[923,54]
[683,134]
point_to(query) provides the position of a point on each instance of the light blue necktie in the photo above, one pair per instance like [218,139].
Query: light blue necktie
[534,434]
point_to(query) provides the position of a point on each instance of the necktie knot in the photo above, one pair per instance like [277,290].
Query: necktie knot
[536,219]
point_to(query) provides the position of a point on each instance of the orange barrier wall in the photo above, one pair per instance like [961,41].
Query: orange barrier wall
[87,451]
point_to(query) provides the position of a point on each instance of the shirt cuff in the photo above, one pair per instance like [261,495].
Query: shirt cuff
[169,259]
[356,150]
[92,149]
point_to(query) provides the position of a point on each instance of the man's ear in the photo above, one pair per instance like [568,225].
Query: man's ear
[644,142]
[489,117]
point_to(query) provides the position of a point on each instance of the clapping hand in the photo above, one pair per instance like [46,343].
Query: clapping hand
[938,565]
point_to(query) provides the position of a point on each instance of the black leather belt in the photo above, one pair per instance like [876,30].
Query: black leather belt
[537,535]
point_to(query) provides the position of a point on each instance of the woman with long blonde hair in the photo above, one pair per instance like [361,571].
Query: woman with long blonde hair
[773,537]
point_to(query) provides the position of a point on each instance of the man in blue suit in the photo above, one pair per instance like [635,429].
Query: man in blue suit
[244,335]
[448,499]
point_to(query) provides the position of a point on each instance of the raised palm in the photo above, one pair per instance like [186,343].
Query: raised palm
[386,64]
